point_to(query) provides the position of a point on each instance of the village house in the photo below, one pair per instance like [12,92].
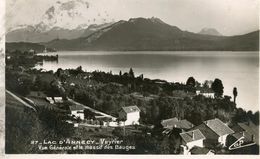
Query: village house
[250,131]
[58,99]
[130,115]
[77,111]
[220,128]
[211,137]
[246,131]
[209,93]
[31,51]
[191,139]
[50,100]
[176,123]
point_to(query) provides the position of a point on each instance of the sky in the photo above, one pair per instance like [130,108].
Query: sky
[229,17]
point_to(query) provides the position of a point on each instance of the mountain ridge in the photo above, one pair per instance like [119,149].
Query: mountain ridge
[152,34]
[147,34]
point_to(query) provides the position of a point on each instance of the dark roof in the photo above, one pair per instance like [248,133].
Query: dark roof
[206,131]
[174,122]
[199,150]
[76,107]
[193,135]
[218,127]
[131,109]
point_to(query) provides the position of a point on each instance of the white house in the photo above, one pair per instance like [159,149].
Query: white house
[209,93]
[130,115]
[220,128]
[58,99]
[50,100]
[77,111]
[191,139]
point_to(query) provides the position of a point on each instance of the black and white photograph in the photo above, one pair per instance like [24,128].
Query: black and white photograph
[131,77]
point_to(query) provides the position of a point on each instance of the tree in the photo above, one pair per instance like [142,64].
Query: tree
[217,87]
[79,69]
[131,73]
[191,82]
[59,72]
[235,94]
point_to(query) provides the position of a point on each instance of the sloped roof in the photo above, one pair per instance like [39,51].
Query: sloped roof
[169,122]
[206,131]
[218,127]
[236,128]
[131,109]
[251,129]
[186,124]
[188,136]
[174,122]
[76,107]
[199,150]
[246,138]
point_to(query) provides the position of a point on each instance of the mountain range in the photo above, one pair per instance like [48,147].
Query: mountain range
[151,34]
[64,20]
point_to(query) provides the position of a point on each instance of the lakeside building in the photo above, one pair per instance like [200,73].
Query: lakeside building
[191,139]
[77,111]
[130,115]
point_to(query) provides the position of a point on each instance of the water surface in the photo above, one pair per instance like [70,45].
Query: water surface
[235,69]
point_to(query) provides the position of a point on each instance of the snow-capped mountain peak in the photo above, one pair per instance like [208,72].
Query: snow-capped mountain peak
[71,14]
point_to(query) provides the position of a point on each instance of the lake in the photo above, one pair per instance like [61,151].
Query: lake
[235,69]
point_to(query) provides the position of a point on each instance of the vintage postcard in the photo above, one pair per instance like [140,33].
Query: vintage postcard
[130,77]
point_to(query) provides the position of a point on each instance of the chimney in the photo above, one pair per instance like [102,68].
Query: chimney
[243,133]
[253,138]
[193,136]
